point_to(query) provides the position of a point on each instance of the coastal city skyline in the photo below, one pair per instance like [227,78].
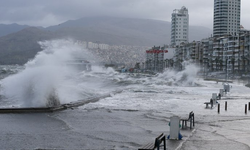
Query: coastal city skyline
[47,13]
[110,74]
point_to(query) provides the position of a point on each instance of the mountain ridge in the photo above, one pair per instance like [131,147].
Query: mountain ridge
[156,31]
[19,47]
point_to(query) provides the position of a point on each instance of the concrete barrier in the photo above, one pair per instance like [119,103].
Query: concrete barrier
[58,108]
[214,98]
[174,128]
[226,87]
[222,92]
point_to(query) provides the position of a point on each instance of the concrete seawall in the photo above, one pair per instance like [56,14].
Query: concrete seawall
[58,108]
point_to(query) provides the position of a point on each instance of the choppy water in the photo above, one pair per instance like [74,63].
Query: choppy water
[47,80]
[27,84]
[7,70]
[126,120]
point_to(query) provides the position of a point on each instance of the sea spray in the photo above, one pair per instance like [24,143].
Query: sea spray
[45,79]
[186,77]
[170,77]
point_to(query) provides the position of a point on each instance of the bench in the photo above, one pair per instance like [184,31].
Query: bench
[185,120]
[151,146]
[219,96]
[209,103]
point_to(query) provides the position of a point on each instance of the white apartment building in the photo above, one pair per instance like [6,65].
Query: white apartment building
[103,46]
[179,26]
[92,45]
[226,17]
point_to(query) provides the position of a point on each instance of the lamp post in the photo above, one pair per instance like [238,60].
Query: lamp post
[226,68]
[233,61]
[248,67]
[209,63]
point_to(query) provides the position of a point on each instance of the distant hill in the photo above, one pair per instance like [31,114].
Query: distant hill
[18,47]
[197,33]
[10,28]
[124,31]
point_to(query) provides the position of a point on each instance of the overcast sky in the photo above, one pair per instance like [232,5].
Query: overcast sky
[52,12]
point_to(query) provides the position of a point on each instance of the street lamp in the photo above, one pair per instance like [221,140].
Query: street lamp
[226,68]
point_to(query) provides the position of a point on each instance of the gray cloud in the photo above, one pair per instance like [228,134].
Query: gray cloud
[52,12]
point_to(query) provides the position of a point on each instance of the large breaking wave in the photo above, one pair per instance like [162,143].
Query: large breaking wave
[170,77]
[47,80]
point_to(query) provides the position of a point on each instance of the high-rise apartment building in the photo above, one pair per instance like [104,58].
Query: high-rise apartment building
[226,17]
[179,26]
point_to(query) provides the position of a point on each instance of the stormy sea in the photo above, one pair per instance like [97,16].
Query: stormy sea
[122,121]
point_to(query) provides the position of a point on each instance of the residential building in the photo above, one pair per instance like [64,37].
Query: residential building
[179,26]
[226,17]
[229,54]
[92,45]
[156,59]
[244,52]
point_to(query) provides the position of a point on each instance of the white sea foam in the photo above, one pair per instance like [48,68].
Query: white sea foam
[186,77]
[47,80]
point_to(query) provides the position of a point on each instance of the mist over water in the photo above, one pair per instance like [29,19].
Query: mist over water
[147,101]
[47,80]
[186,77]
[170,77]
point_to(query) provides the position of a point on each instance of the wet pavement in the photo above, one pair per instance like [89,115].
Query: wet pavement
[134,118]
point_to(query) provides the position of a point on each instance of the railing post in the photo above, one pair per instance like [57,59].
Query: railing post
[191,123]
[218,108]
[225,105]
[158,144]
[193,119]
[245,108]
[164,142]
